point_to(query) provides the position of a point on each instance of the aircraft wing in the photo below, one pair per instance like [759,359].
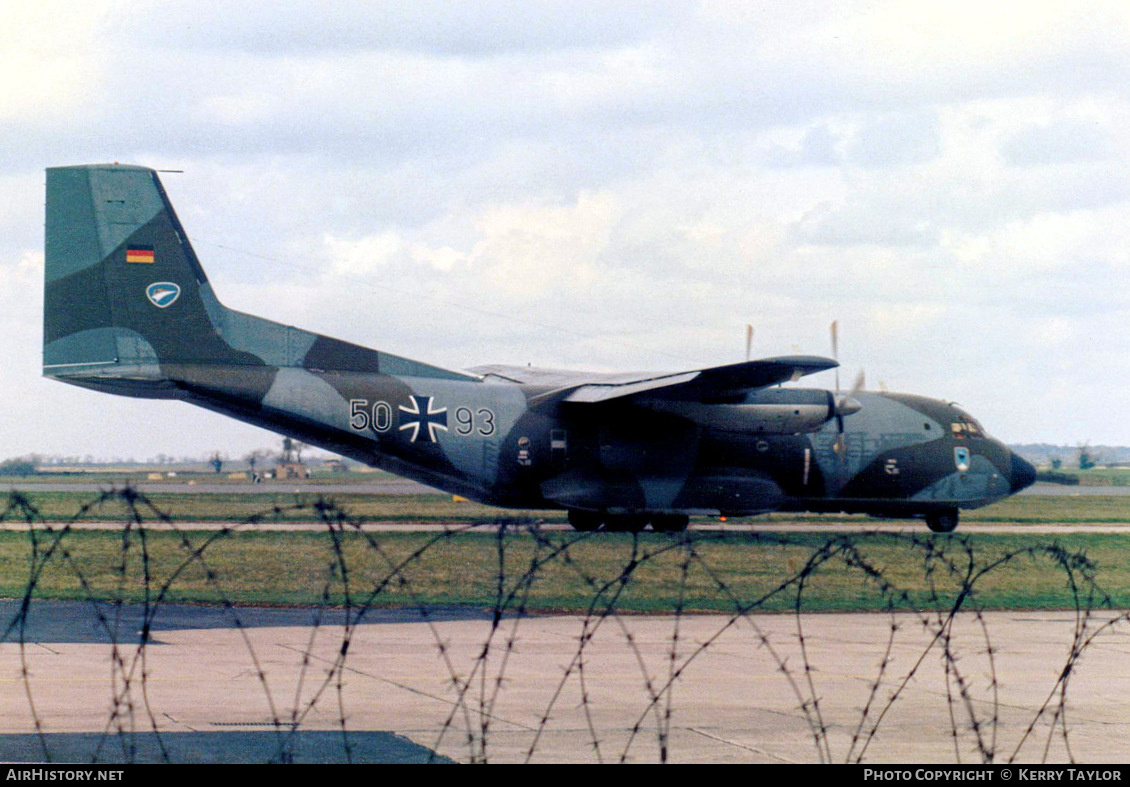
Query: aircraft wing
[716,382]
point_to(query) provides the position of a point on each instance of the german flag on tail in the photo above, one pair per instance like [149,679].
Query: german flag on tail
[140,254]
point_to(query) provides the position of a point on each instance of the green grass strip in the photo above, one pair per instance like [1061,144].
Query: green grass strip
[288,506]
[537,571]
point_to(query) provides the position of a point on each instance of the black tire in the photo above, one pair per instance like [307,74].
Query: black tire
[670,523]
[942,521]
[625,523]
[585,521]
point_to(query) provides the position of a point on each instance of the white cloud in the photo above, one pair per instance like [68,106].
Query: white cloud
[244,110]
[50,60]
[528,250]
[616,185]
[365,255]
[443,259]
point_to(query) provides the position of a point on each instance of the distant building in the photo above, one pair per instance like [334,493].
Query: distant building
[291,470]
[335,466]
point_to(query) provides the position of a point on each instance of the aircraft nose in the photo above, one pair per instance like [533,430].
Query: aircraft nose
[1023,475]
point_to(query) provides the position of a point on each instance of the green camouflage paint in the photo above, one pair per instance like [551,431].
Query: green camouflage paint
[128,309]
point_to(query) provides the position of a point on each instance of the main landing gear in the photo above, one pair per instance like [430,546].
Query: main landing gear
[942,521]
[587,521]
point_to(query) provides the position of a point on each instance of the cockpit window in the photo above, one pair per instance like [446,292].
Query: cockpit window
[966,429]
[965,426]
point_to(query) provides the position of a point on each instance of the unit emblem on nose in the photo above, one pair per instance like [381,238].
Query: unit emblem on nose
[961,458]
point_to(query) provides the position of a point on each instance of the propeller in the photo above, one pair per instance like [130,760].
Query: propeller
[848,404]
[844,404]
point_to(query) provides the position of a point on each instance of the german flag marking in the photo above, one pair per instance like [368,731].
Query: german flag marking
[141,254]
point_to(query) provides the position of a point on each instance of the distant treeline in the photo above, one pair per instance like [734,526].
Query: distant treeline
[17,467]
[1052,477]
[1067,456]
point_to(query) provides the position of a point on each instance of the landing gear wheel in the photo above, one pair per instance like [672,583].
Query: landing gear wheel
[625,523]
[942,521]
[670,523]
[585,521]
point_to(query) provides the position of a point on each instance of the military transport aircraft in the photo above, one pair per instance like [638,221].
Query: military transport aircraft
[129,310]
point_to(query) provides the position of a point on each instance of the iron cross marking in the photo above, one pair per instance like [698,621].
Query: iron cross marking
[427,415]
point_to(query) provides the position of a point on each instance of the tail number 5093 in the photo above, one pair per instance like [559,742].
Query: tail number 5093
[378,416]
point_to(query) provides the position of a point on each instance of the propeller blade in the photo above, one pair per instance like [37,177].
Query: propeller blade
[844,404]
[836,351]
[847,403]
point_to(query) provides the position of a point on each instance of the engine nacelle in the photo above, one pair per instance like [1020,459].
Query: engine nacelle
[772,411]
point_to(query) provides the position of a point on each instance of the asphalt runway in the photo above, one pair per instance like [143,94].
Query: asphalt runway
[252,685]
[257,685]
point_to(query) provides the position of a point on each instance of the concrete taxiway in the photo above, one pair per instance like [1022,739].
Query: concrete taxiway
[261,684]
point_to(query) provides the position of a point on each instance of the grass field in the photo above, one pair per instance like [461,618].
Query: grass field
[286,505]
[1102,476]
[556,571]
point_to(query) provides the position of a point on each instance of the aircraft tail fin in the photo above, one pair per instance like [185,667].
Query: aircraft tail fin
[123,286]
[128,307]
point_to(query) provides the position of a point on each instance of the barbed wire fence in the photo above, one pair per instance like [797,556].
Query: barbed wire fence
[948,625]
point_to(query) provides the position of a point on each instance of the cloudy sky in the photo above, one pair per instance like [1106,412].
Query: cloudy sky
[605,185]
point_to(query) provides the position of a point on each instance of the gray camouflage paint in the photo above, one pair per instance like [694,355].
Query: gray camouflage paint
[716,441]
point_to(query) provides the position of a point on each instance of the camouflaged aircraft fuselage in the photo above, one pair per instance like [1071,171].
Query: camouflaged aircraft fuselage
[129,310]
